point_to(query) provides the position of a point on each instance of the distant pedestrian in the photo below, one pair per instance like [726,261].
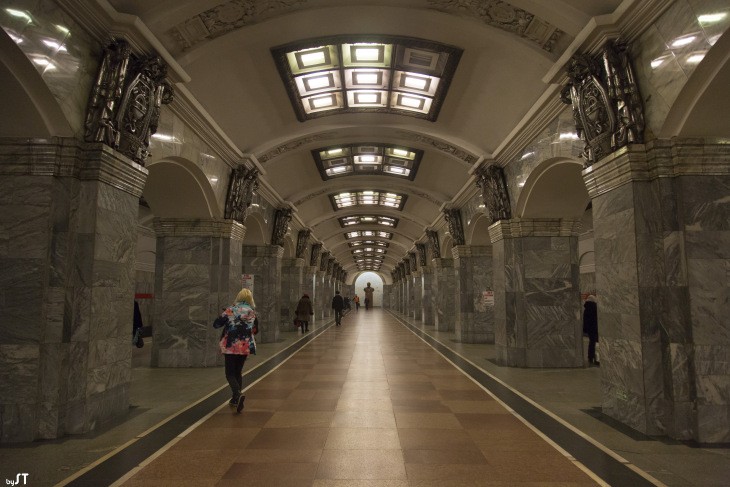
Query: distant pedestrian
[137,326]
[369,296]
[304,311]
[338,304]
[590,328]
[356,300]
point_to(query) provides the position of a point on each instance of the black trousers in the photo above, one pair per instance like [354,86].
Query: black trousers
[234,374]
[338,316]
[592,340]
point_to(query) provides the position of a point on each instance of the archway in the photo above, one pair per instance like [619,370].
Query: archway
[178,188]
[477,233]
[255,230]
[554,189]
[376,282]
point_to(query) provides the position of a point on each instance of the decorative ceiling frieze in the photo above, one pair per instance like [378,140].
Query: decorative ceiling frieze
[506,17]
[292,145]
[225,18]
[439,145]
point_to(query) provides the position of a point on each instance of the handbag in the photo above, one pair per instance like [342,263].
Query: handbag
[255,328]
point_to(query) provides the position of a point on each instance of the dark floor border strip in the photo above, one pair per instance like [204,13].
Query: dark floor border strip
[608,468]
[118,465]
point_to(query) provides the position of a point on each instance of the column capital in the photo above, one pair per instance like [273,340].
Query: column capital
[534,227]
[464,251]
[442,263]
[196,227]
[263,251]
[660,158]
[311,270]
[60,156]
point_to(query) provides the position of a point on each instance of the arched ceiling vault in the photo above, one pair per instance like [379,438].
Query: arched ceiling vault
[225,47]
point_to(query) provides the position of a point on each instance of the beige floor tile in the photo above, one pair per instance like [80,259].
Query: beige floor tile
[246,473]
[363,419]
[484,407]
[435,439]
[362,439]
[444,457]
[420,406]
[252,455]
[207,438]
[300,419]
[360,483]
[365,404]
[292,438]
[361,464]
[429,420]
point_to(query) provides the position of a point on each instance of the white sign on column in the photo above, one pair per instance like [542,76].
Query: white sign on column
[247,281]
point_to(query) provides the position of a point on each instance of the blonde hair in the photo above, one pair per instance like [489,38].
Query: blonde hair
[246,295]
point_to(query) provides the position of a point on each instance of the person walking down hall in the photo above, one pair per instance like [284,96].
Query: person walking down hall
[338,304]
[356,300]
[590,328]
[304,311]
[237,342]
[369,296]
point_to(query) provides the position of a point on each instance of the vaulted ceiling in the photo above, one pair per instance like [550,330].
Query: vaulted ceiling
[226,48]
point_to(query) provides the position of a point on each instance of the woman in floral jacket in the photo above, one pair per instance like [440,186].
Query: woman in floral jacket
[237,342]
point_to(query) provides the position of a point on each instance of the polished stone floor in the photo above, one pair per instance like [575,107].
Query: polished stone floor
[366,402]
[370,398]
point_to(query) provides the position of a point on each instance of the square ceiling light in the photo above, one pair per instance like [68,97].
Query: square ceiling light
[369,73]
[386,221]
[368,233]
[368,198]
[367,158]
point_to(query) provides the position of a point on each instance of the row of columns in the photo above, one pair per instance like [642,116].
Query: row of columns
[199,271]
[521,293]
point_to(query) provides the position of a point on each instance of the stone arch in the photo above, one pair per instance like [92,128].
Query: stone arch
[446,245]
[554,189]
[587,261]
[178,188]
[289,248]
[255,230]
[27,106]
[477,232]
[702,105]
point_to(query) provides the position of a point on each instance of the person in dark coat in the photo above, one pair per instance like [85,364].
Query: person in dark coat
[590,328]
[304,311]
[137,327]
[338,304]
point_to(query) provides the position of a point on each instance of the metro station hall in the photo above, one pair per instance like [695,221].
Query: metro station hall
[365,243]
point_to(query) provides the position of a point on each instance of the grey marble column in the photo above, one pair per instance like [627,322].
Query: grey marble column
[264,262]
[444,300]
[387,298]
[417,293]
[67,253]
[292,282]
[309,286]
[197,273]
[473,277]
[537,293]
[427,313]
[323,302]
[407,295]
[662,243]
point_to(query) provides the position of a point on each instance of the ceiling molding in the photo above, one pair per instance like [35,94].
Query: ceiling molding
[104,23]
[192,113]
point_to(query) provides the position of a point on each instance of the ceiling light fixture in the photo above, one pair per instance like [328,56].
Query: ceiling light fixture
[683,41]
[710,18]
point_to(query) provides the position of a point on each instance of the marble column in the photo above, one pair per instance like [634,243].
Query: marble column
[68,231]
[407,295]
[443,292]
[323,301]
[417,293]
[427,313]
[473,277]
[292,282]
[197,273]
[387,298]
[537,293]
[264,262]
[309,286]
[662,243]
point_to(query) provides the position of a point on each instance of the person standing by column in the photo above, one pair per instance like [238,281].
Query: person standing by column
[304,311]
[369,297]
[237,342]
[590,328]
[338,304]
